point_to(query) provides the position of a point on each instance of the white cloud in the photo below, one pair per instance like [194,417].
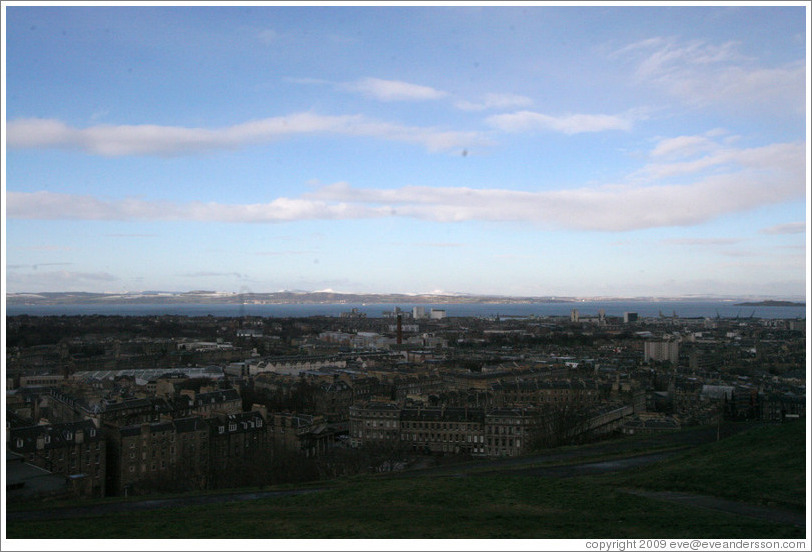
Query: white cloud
[35,266]
[495,101]
[205,274]
[725,181]
[391,90]
[111,141]
[788,159]
[60,279]
[609,208]
[702,242]
[525,121]
[49,206]
[700,73]
[683,146]
[789,228]
[267,36]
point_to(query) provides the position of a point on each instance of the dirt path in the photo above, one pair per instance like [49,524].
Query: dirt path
[674,440]
[776,515]
[585,468]
[180,502]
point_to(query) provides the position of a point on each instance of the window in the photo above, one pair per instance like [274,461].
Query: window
[19,443]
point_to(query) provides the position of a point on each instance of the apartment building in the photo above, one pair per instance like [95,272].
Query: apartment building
[140,452]
[75,450]
[443,430]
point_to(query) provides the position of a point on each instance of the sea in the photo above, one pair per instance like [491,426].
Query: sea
[644,309]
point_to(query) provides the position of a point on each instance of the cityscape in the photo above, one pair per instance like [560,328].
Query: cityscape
[305,276]
[129,406]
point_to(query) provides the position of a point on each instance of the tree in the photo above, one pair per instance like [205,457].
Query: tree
[560,423]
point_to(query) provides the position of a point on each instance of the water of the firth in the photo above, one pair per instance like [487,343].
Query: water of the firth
[683,309]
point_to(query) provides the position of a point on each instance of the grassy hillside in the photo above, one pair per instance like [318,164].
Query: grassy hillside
[507,505]
[764,465]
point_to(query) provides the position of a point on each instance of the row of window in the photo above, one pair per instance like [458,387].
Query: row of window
[73,449]
[232,426]
[444,437]
[61,458]
[47,438]
[440,425]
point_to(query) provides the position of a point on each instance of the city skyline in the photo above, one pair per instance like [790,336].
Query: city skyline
[525,150]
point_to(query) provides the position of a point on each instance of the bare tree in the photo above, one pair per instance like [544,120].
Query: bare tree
[560,423]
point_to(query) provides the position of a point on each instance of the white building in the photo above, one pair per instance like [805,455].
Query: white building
[437,314]
[661,351]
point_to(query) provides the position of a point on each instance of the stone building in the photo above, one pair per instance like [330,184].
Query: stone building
[235,436]
[76,450]
[508,431]
[140,453]
[443,430]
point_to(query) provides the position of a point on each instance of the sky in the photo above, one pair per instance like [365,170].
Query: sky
[532,149]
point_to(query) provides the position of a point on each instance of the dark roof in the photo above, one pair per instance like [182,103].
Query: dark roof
[24,439]
[186,425]
[443,415]
[242,423]
[128,404]
[25,481]
[508,412]
[215,397]
[378,406]
[157,427]
[14,420]
[335,386]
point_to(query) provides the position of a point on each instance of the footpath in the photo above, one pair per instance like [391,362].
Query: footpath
[138,505]
[776,515]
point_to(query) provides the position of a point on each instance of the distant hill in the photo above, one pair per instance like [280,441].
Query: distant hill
[771,304]
[281,297]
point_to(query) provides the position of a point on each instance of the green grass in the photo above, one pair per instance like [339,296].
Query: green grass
[758,465]
[764,465]
[474,507]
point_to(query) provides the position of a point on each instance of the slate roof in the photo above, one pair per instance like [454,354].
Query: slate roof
[24,480]
[442,415]
[216,397]
[132,430]
[24,439]
[242,422]
[187,425]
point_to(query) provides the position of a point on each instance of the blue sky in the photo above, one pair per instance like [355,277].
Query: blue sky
[524,150]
